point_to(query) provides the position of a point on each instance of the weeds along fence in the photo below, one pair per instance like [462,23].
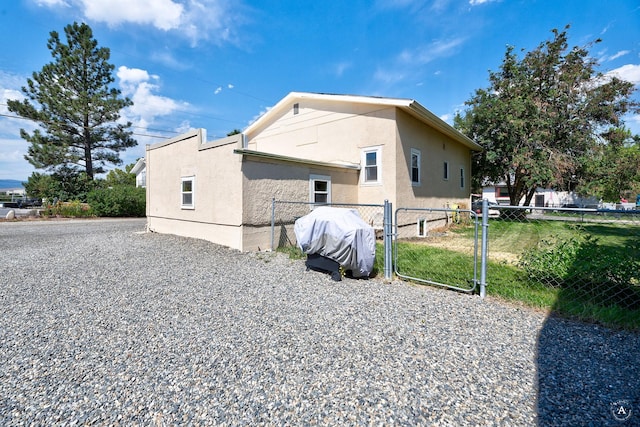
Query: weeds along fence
[581,262]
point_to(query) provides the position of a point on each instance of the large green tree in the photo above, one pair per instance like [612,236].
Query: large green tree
[76,106]
[612,169]
[541,116]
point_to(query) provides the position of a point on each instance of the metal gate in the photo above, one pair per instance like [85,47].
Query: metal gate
[438,246]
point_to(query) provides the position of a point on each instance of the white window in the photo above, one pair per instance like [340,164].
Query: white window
[371,163]
[319,189]
[415,166]
[461,177]
[422,227]
[446,171]
[187,192]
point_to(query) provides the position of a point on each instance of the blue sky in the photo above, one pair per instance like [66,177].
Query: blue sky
[219,64]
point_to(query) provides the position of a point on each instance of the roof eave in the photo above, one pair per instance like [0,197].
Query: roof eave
[288,159]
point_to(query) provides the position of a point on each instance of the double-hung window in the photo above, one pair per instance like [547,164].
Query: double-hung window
[371,165]
[415,166]
[187,187]
[319,189]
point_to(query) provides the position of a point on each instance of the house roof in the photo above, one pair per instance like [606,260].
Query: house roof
[409,106]
[140,164]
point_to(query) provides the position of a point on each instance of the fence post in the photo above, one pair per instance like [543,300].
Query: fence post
[388,230]
[273,223]
[483,250]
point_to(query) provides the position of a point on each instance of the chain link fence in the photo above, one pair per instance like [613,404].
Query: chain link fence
[437,246]
[285,213]
[581,262]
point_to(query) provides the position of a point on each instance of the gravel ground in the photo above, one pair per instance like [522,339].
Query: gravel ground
[104,324]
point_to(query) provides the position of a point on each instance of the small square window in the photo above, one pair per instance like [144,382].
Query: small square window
[320,189]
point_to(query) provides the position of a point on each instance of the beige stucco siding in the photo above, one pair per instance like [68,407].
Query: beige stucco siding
[264,180]
[217,192]
[435,149]
[326,132]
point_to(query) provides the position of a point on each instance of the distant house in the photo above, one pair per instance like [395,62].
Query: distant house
[310,147]
[140,171]
[543,197]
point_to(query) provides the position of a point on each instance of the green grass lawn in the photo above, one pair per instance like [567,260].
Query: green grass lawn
[507,279]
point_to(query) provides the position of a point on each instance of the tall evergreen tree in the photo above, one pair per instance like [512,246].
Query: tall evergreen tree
[541,117]
[76,107]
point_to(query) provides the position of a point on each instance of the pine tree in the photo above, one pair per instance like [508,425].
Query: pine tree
[76,107]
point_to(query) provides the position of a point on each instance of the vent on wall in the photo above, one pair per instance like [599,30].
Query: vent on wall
[296,108]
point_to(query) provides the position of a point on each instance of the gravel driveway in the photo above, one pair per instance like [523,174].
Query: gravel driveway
[104,324]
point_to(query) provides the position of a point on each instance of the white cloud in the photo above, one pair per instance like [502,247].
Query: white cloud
[410,59]
[162,14]
[603,57]
[218,90]
[12,162]
[213,20]
[52,3]
[633,123]
[628,72]
[619,54]
[137,84]
[341,67]
[446,118]
[389,76]
[260,114]
[435,50]
[478,2]
[12,147]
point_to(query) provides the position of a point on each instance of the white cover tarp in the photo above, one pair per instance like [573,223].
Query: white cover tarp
[338,234]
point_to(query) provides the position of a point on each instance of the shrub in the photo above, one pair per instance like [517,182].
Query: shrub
[604,274]
[118,201]
[75,209]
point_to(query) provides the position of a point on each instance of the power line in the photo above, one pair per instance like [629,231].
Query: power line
[133,133]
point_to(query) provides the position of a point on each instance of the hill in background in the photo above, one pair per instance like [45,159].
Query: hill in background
[10,183]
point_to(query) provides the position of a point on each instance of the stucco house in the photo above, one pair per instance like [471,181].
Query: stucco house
[139,169]
[309,147]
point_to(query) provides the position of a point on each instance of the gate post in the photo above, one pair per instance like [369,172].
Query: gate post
[483,250]
[388,231]
[273,223]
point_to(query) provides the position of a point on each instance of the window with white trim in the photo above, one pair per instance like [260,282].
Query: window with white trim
[371,162]
[187,187]
[319,189]
[461,177]
[422,227]
[446,171]
[415,166]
